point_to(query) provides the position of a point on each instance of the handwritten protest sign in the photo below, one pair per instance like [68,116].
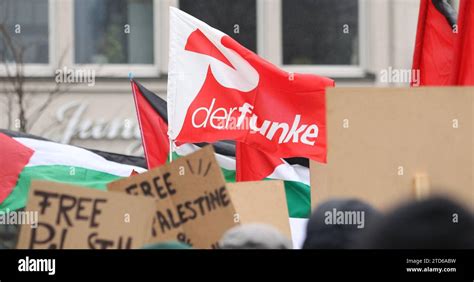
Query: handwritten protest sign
[261,202]
[381,140]
[193,204]
[72,217]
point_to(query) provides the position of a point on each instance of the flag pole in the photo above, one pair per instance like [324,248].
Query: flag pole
[171,150]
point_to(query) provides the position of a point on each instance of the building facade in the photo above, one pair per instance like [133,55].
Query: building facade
[102,42]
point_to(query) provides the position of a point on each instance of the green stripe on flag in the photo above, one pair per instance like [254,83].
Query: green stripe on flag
[58,173]
[298,197]
[229,175]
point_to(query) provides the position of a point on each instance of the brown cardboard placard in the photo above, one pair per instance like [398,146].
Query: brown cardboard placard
[71,217]
[380,140]
[193,204]
[261,202]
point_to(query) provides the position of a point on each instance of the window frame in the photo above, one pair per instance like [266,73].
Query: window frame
[270,45]
[61,44]
[125,70]
[268,32]
[39,69]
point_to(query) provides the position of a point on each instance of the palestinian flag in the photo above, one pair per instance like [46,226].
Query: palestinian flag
[254,165]
[294,171]
[24,158]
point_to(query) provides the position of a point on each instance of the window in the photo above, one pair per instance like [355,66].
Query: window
[320,32]
[26,23]
[113,32]
[238,19]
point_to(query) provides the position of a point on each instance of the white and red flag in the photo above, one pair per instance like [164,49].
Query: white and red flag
[219,90]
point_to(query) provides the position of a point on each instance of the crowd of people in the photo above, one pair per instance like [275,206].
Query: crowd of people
[432,223]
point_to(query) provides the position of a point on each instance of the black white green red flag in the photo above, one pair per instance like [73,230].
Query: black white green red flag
[25,157]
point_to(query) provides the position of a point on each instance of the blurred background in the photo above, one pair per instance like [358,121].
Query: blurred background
[351,41]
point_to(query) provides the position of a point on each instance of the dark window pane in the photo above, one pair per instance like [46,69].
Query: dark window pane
[313,32]
[224,15]
[26,23]
[101,33]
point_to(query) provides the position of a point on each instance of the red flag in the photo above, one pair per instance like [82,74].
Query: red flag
[253,164]
[464,53]
[434,47]
[153,126]
[13,158]
[219,90]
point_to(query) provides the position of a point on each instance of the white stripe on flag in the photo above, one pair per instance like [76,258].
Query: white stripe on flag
[289,172]
[298,231]
[51,153]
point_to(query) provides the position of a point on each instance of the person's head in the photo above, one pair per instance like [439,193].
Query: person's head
[254,236]
[9,235]
[432,223]
[338,223]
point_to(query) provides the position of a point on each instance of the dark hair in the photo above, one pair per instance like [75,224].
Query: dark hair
[321,234]
[433,223]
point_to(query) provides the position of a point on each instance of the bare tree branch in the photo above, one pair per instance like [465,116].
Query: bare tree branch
[8,105]
[35,115]
[10,77]
[15,76]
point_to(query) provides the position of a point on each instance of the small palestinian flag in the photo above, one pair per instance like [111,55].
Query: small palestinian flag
[24,158]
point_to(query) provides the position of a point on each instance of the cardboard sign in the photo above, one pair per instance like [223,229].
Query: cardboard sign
[72,217]
[386,145]
[193,204]
[261,202]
